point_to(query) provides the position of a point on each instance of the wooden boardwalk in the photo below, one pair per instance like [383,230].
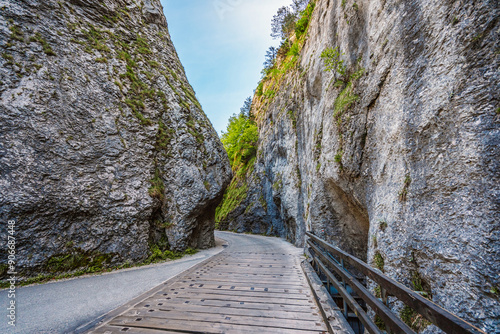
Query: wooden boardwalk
[233,292]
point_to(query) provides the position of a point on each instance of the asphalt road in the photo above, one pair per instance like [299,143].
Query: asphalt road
[64,306]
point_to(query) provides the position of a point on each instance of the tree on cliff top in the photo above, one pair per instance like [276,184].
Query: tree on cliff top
[271,55]
[247,106]
[283,23]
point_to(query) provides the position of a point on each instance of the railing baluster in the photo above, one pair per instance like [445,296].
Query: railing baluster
[445,320]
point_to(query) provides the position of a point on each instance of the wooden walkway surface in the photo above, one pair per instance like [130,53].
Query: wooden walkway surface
[234,292]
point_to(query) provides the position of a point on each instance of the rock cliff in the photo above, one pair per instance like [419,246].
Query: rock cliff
[105,151]
[393,155]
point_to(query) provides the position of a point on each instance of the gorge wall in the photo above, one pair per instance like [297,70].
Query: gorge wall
[397,160]
[104,148]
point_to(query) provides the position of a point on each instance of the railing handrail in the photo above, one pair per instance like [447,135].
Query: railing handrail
[440,317]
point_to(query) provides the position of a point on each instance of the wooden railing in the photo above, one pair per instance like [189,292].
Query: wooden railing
[326,257]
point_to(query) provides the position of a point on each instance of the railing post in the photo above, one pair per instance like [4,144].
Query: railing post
[383,292]
[346,313]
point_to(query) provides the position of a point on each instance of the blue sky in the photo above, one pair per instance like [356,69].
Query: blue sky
[222,44]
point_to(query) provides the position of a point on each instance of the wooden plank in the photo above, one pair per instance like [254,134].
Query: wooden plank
[264,271]
[249,279]
[312,316]
[130,330]
[245,299]
[263,294]
[277,266]
[228,319]
[203,327]
[445,320]
[243,274]
[246,287]
[249,284]
[242,305]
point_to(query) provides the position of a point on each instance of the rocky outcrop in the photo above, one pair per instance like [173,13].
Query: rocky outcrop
[396,160]
[104,148]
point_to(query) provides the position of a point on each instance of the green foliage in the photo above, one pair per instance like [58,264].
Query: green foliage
[303,22]
[270,93]
[344,100]
[16,33]
[95,39]
[378,291]
[77,260]
[191,128]
[414,320]
[240,139]
[157,255]
[293,118]
[403,194]
[94,263]
[263,202]
[164,136]
[191,96]
[142,46]
[284,25]
[338,157]
[278,185]
[378,261]
[380,323]
[358,74]
[9,58]
[294,49]
[157,189]
[101,60]
[260,89]
[4,268]
[45,45]
[138,91]
[234,195]
[333,63]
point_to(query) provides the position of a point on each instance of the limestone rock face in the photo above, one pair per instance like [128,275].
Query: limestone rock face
[104,148]
[409,172]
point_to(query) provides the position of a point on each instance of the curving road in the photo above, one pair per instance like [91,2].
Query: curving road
[69,306]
